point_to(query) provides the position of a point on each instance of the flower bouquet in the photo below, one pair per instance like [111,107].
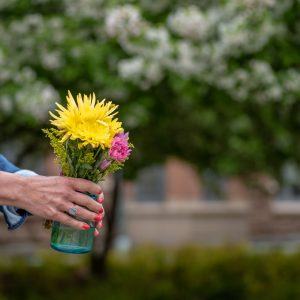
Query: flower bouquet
[89,142]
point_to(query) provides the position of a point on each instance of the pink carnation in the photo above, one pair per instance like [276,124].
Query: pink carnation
[119,149]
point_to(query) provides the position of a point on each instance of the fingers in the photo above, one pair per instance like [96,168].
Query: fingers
[87,215]
[87,202]
[67,220]
[86,209]
[83,185]
[83,217]
[100,198]
[99,225]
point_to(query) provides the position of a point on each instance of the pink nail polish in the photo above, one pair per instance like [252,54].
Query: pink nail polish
[98,218]
[86,226]
[101,211]
[101,200]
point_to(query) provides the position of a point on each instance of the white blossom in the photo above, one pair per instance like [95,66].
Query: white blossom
[155,6]
[237,36]
[7,4]
[194,43]
[256,3]
[153,73]
[30,96]
[256,83]
[185,63]
[291,81]
[157,43]
[189,22]
[123,22]
[205,41]
[36,100]
[51,60]
[131,68]
[6,104]
[2,56]
[263,72]
[142,72]
[84,8]
[154,55]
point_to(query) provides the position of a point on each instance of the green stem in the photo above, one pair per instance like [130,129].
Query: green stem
[77,162]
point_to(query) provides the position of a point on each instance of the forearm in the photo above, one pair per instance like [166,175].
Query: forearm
[10,185]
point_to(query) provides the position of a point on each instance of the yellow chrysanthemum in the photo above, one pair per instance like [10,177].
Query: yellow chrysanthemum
[88,120]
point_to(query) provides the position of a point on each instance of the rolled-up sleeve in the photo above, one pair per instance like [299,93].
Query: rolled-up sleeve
[13,216]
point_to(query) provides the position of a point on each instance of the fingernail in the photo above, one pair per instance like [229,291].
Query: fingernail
[101,200]
[86,226]
[98,218]
[96,232]
[101,210]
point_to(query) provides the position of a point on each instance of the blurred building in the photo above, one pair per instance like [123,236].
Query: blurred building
[171,206]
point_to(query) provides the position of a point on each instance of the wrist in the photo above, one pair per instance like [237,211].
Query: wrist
[20,187]
[11,190]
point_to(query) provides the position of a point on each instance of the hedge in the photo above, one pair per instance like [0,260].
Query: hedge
[192,273]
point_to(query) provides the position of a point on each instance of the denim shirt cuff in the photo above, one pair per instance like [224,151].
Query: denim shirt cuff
[15,217]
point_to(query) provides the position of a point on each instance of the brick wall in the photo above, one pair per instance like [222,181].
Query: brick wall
[183,216]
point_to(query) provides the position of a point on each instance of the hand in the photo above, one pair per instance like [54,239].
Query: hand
[51,197]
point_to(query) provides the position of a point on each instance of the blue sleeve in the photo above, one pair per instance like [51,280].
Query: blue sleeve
[7,166]
[13,216]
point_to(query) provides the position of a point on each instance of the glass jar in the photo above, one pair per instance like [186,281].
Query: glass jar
[67,239]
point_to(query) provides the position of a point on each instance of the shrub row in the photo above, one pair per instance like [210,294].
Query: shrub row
[150,273]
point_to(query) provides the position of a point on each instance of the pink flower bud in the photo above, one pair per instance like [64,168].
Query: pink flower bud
[104,164]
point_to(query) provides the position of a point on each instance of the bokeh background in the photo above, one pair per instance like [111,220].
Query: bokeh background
[208,205]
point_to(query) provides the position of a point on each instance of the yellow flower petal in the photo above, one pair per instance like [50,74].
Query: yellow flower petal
[88,120]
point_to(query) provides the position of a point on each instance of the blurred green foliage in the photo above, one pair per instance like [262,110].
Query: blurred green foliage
[225,273]
[216,83]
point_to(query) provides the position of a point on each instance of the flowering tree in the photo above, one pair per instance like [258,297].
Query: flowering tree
[221,82]
[216,84]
